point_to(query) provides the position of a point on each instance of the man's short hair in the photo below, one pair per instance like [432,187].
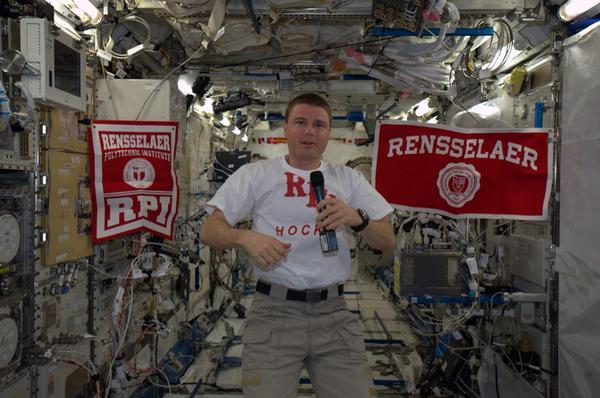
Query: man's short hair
[308,99]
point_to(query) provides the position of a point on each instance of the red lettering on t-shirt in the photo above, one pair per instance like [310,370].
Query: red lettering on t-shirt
[294,185]
[292,230]
[295,188]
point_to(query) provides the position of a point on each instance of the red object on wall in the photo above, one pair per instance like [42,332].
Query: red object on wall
[134,185]
[484,173]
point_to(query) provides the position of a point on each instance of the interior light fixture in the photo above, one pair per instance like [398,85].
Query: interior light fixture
[487,114]
[236,130]
[245,138]
[205,105]
[185,82]
[43,129]
[486,109]
[224,120]
[85,10]
[572,9]
[422,108]
[192,84]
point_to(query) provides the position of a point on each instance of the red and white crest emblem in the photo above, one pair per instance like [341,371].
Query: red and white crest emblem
[139,173]
[458,183]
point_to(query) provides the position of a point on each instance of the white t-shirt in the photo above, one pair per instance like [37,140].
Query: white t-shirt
[279,198]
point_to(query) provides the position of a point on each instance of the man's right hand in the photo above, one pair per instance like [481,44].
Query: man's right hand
[264,249]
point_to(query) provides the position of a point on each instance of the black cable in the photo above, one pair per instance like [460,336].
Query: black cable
[196,389]
[378,56]
[359,241]
[497,389]
[156,351]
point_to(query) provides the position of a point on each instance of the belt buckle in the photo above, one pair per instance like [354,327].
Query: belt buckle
[313,295]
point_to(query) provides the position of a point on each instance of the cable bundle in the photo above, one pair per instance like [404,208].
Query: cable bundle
[477,61]
[414,66]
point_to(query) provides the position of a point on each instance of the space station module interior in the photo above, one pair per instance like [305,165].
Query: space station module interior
[106,289]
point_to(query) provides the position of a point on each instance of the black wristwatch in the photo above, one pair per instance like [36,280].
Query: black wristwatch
[365,220]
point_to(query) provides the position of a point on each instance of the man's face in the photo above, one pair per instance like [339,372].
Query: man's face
[307,130]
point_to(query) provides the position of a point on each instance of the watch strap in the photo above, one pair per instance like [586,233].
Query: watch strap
[365,217]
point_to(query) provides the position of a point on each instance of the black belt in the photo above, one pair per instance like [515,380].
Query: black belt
[307,296]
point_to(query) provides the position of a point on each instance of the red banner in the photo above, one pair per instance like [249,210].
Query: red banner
[134,185]
[483,173]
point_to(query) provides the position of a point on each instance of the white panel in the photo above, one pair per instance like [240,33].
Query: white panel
[578,258]
[35,56]
[20,388]
[125,97]
[579,352]
[580,180]
[40,47]
[528,259]
[52,380]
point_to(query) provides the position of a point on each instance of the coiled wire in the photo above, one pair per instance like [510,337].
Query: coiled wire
[125,56]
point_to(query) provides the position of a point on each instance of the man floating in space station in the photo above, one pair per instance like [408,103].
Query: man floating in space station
[300,246]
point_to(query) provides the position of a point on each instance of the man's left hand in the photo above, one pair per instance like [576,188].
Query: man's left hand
[336,213]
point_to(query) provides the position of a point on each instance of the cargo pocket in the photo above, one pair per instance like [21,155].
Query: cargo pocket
[352,335]
[260,346]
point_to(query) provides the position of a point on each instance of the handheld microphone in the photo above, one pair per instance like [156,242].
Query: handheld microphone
[328,238]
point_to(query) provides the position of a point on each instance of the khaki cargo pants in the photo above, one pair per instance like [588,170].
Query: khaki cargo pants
[283,336]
